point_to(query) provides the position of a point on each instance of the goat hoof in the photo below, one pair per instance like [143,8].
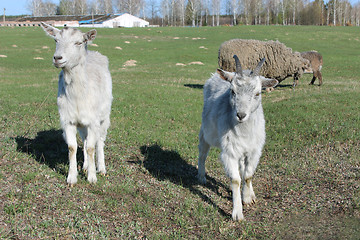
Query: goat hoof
[102,171]
[238,217]
[249,202]
[92,179]
[71,179]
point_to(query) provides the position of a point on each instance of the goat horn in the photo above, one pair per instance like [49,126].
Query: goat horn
[238,65]
[256,71]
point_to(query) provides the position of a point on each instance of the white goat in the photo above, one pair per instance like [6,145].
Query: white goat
[233,120]
[84,97]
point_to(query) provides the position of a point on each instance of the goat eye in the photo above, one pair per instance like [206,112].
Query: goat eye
[78,43]
[258,94]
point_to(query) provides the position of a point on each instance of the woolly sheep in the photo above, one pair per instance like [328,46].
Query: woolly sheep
[280,63]
[84,97]
[316,62]
[233,120]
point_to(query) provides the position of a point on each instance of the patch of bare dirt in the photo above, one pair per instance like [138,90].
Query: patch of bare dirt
[190,63]
[196,63]
[130,63]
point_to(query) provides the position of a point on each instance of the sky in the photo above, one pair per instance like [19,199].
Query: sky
[19,7]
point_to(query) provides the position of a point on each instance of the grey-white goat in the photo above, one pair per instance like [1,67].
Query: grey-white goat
[84,97]
[233,120]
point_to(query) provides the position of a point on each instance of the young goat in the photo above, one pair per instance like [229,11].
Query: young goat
[84,97]
[316,62]
[233,120]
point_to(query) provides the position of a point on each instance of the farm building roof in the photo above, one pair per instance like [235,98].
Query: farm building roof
[83,19]
[98,20]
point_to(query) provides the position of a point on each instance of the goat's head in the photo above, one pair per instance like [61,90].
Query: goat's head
[245,89]
[307,66]
[71,45]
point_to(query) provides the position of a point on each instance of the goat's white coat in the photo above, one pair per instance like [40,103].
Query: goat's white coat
[84,97]
[240,139]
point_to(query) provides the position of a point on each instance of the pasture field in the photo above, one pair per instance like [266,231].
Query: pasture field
[307,182]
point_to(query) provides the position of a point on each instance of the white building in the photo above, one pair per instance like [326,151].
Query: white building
[99,20]
[114,21]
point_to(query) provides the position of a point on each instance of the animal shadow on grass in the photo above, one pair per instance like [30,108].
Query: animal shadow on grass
[47,147]
[169,165]
[284,86]
[196,86]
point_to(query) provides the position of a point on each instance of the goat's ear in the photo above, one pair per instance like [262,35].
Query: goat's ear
[51,31]
[267,83]
[224,75]
[90,35]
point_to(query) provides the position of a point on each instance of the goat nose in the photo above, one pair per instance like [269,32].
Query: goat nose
[241,116]
[57,58]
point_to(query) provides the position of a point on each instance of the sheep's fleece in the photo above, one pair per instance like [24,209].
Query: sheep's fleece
[280,62]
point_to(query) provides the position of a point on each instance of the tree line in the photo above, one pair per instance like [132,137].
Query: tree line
[212,12]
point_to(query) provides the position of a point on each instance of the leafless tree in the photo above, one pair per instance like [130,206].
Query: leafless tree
[335,11]
[294,6]
[268,6]
[67,7]
[105,6]
[152,8]
[194,6]
[143,9]
[355,14]
[322,6]
[132,7]
[94,7]
[181,6]
[206,10]
[257,11]
[35,7]
[216,7]
[48,8]
[283,4]
[42,8]
[234,6]
[346,6]
[165,11]
[174,12]
[81,7]
[247,12]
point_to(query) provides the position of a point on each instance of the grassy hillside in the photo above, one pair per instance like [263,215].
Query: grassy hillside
[307,182]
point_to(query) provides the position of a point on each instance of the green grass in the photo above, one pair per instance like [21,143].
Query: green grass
[307,182]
